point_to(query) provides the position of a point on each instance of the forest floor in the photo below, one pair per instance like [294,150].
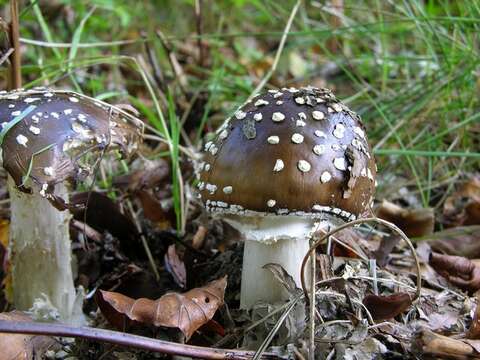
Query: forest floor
[410,69]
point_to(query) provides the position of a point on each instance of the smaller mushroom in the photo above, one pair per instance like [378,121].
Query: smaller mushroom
[44,143]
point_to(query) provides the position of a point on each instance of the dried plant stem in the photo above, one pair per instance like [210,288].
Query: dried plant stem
[124,339]
[15,58]
[358,222]
[311,350]
[144,240]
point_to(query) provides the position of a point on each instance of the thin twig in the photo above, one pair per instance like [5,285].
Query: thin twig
[6,55]
[124,339]
[16,57]
[198,17]
[358,222]
[267,77]
[144,240]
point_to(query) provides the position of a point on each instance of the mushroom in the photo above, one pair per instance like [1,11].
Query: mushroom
[48,140]
[287,159]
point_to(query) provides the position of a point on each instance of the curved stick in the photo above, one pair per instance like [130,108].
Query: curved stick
[357,222]
[125,339]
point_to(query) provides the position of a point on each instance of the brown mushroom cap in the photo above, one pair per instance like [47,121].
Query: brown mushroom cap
[290,152]
[58,130]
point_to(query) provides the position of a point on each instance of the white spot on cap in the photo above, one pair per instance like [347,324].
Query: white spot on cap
[240,114]
[48,171]
[34,130]
[325,177]
[320,100]
[11,106]
[73,99]
[357,130]
[279,102]
[300,100]
[223,135]
[319,149]
[304,166]
[207,145]
[22,140]
[293,90]
[273,139]
[82,117]
[340,164]
[67,111]
[227,189]
[261,102]
[257,117]
[43,190]
[30,100]
[279,165]
[277,95]
[207,167]
[318,115]
[278,116]
[330,110]
[301,123]
[48,94]
[337,107]
[320,134]
[302,116]
[271,203]
[211,188]
[273,91]
[16,113]
[55,115]
[297,138]
[339,131]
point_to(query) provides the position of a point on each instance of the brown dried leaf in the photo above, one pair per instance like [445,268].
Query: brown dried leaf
[20,346]
[280,274]
[187,311]
[414,222]
[474,330]
[459,270]
[387,307]
[175,266]
[461,241]
[463,206]
[153,210]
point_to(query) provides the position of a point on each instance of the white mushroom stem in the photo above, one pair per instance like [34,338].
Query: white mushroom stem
[40,255]
[283,240]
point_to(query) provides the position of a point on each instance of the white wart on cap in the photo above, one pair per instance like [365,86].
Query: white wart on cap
[326,163]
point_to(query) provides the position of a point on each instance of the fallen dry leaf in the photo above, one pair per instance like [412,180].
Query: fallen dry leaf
[459,270]
[461,241]
[413,222]
[474,329]
[153,210]
[387,307]
[20,346]
[463,206]
[175,266]
[187,311]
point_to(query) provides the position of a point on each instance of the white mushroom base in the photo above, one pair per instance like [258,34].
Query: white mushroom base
[41,256]
[283,240]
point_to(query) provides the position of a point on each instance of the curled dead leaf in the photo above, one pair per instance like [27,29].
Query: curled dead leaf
[474,330]
[187,311]
[460,241]
[387,307]
[413,222]
[459,270]
[463,206]
[175,266]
